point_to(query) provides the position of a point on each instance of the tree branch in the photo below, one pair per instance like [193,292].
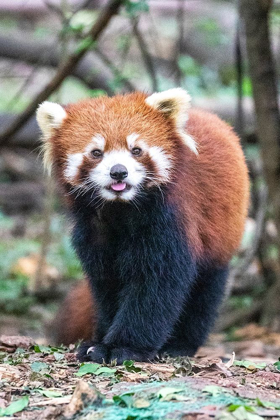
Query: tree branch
[147,59]
[66,68]
[261,67]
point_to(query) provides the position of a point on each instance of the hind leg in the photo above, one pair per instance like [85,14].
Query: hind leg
[198,316]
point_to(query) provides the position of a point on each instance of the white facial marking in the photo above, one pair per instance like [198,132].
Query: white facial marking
[97,142]
[163,162]
[131,140]
[75,160]
[100,175]
[72,167]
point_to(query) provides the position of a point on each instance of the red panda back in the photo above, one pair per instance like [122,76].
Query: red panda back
[213,188]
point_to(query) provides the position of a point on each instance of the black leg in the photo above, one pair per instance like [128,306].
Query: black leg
[200,311]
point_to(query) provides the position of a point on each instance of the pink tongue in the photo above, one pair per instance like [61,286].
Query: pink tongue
[118,187]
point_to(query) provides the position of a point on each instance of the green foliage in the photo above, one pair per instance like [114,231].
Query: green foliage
[239,302]
[199,79]
[129,365]
[39,367]
[15,407]
[277,365]
[14,285]
[49,349]
[82,21]
[49,393]
[96,369]
[124,400]
[249,365]
[13,299]
[135,7]
[210,26]
[234,407]
[95,93]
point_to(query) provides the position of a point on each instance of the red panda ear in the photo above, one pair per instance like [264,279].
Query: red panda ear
[49,117]
[174,103]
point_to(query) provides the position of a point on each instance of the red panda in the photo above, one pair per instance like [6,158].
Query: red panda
[158,194]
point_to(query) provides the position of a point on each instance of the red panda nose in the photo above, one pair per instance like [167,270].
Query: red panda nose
[118,172]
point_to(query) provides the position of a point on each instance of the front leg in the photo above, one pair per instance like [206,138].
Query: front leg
[149,306]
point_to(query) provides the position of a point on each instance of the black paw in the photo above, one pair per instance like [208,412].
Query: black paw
[93,352]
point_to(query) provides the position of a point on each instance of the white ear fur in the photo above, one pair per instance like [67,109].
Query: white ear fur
[49,117]
[174,103]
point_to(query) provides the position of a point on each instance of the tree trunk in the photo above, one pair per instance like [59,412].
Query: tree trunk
[255,14]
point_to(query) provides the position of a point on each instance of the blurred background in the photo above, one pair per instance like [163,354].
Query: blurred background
[225,53]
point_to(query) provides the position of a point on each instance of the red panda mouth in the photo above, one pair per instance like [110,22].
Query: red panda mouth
[120,187]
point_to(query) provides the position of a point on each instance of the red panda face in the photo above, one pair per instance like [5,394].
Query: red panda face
[118,147]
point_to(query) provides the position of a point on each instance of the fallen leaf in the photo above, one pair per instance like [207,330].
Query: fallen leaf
[87,368]
[164,392]
[49,393]
[214,390]
[39,366]
[249,365]
[15,407]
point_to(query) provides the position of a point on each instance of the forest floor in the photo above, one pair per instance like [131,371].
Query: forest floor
[227,380]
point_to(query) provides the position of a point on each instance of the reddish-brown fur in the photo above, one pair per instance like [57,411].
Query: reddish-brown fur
[211,189]
[76,318]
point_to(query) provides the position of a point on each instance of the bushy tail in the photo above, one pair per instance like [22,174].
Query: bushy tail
[76,319]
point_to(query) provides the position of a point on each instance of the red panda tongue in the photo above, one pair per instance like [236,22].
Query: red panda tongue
[118,187]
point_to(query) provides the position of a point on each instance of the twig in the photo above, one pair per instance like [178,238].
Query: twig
[252,251]
[21,90]
[145,54]
[129,86]
[239,123]
[65,69]
[180,42]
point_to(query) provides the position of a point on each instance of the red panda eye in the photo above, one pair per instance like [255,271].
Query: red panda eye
[136,151]
[96,153]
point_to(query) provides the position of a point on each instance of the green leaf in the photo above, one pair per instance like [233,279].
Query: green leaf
[136,7]
[234,407]
[15,407]
[249,365]
[239,414]
[214,390]
[87,368]
[42,349]
[164,392]
[106,370]
[58,356]
[267,404]
[129,365]
[48,393]
[277,365]
[39,366]
[124,400]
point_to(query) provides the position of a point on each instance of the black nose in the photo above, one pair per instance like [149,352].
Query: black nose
[118,172]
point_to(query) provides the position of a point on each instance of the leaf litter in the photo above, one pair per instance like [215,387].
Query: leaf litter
[44,382]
